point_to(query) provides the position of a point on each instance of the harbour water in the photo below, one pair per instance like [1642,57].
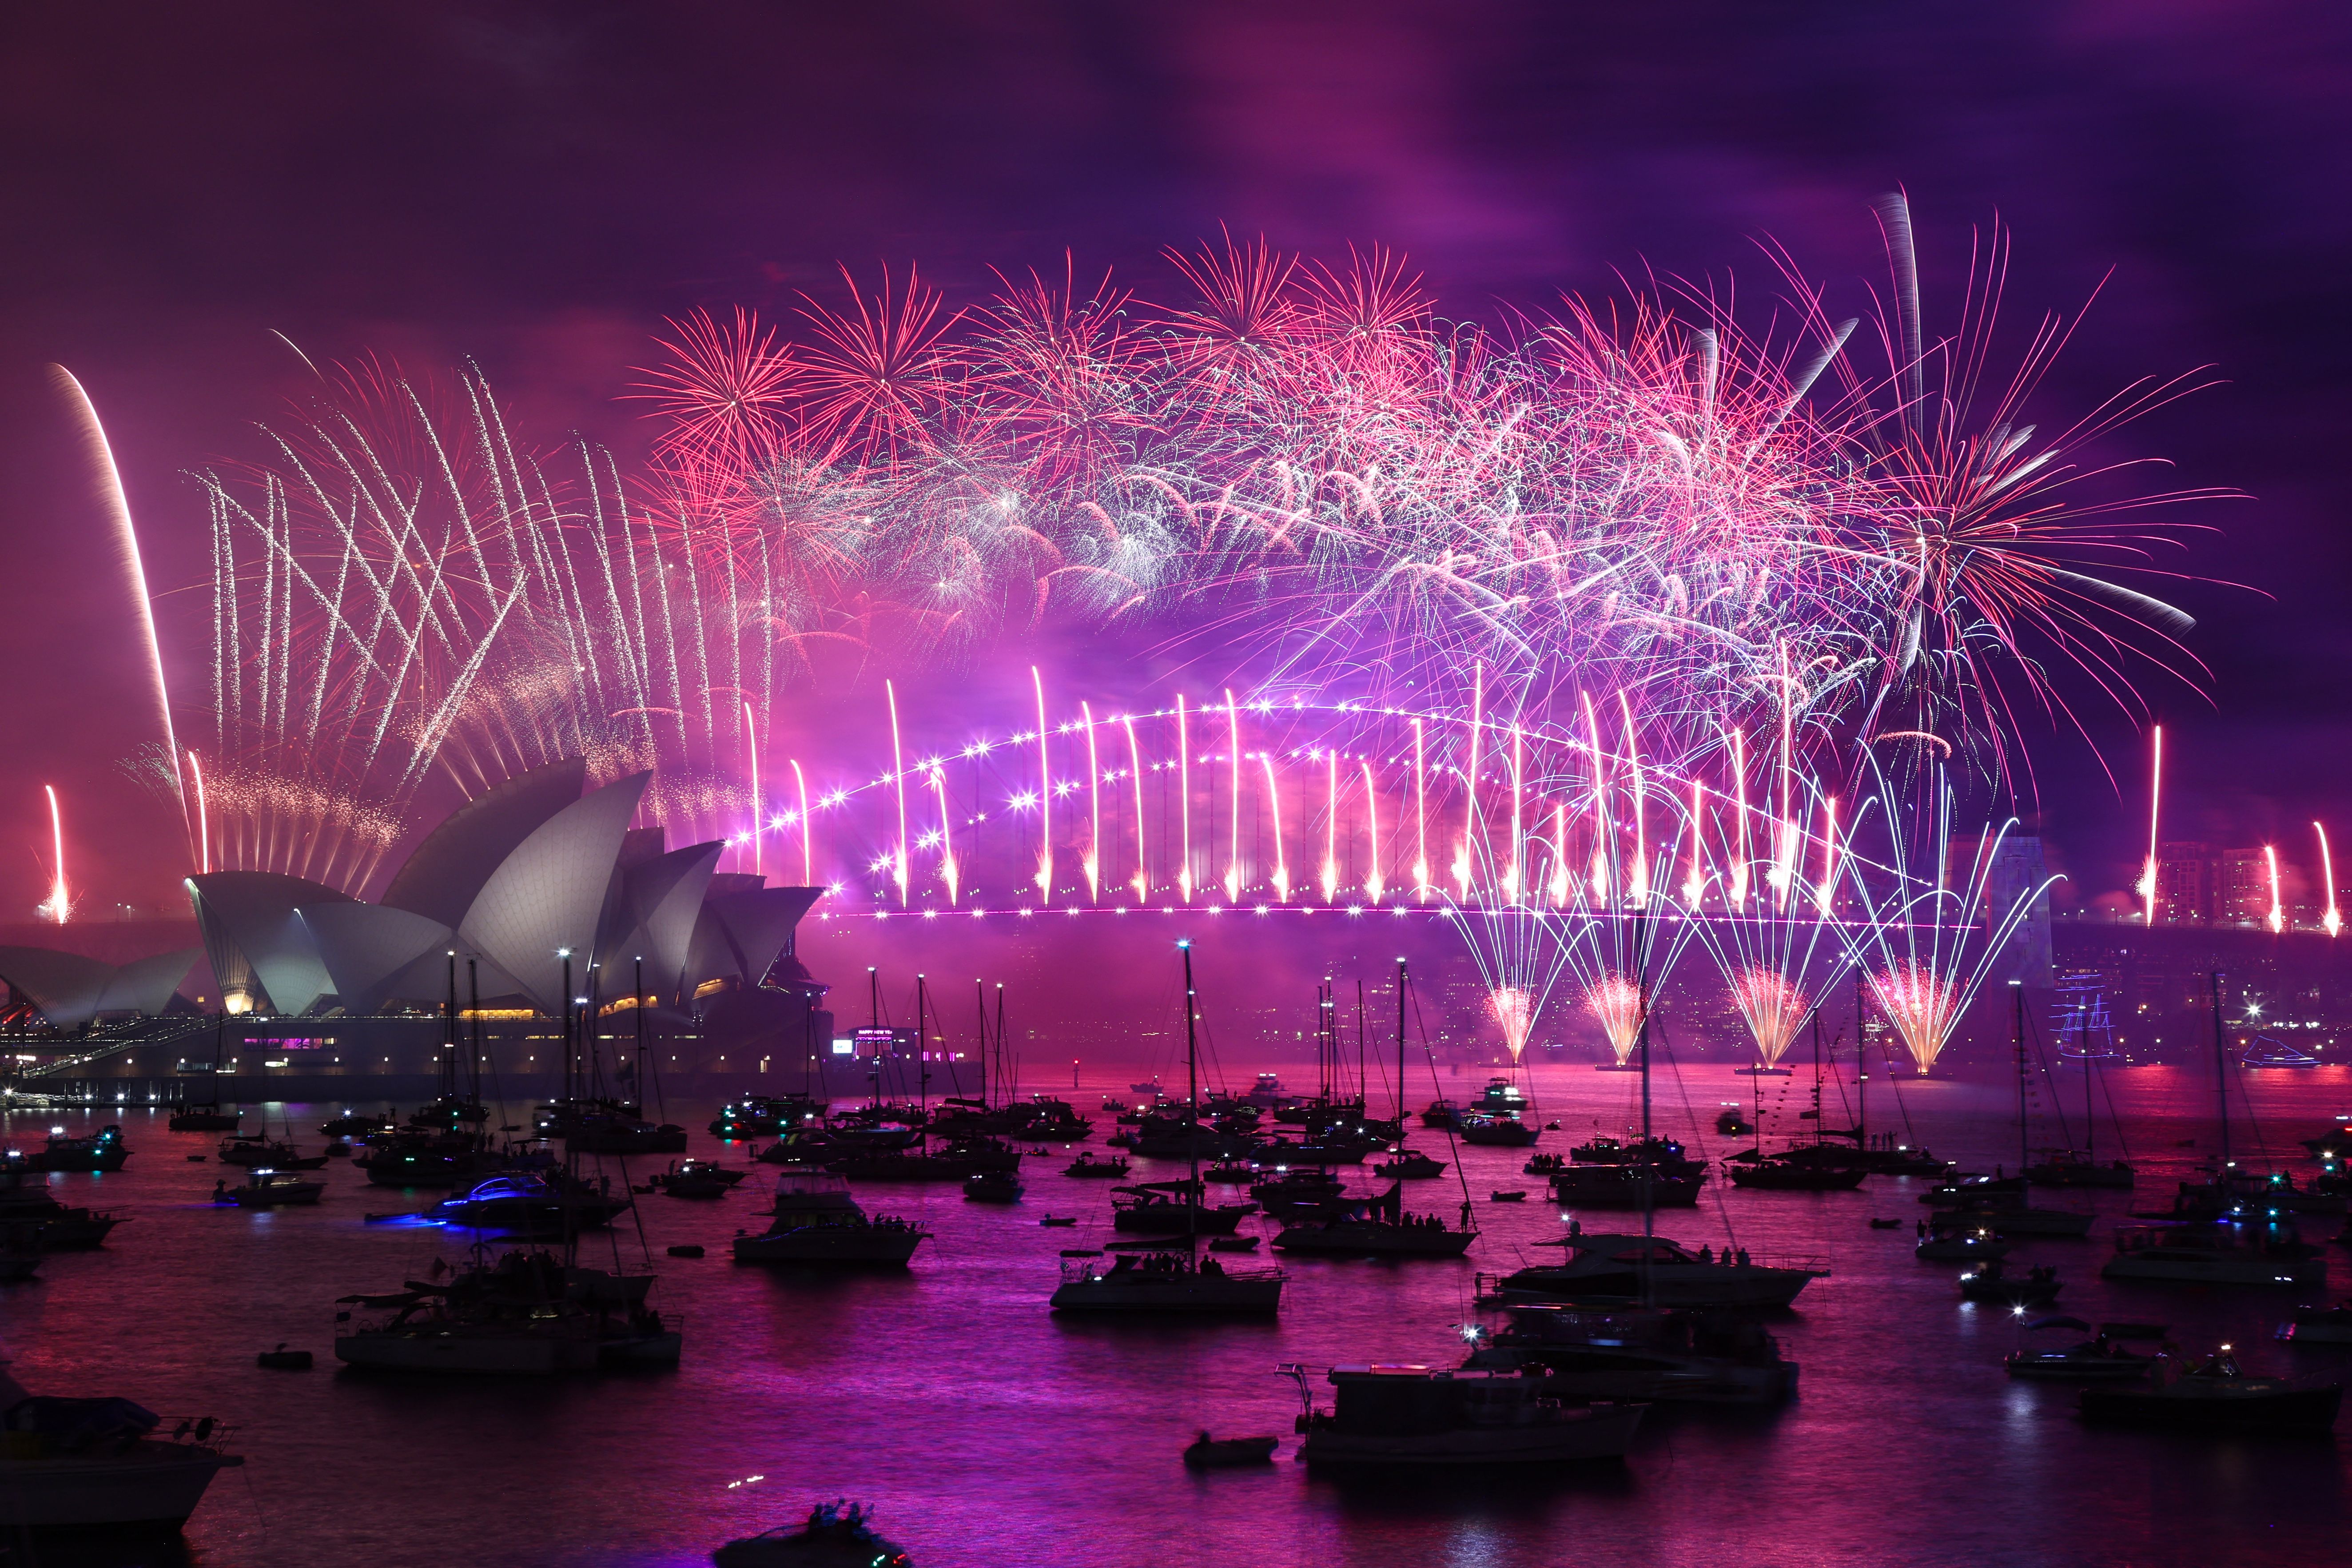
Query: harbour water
[987,1433]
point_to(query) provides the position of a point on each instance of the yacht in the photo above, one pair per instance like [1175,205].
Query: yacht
[1441,1115]
[2069,1168]
[1416,1416]
[543,1202]
[260,1149]
[1480,1128]
[1604,1266]
[1664,1354]
[838,1534]
[101,1150]
[351,1124]
[1773,1174]
[2101,1358]
[268,1189]
[1173,1208]
[525,1315]
[815,1219]
[101,1464]
[1621,1187]
[2216,1253]
[1410,1165]
[1088,1167]
[32,1221]
[766,1116]
[204,1116]
[2319,1325]
[832,1237]
[2217,1394]
[1377,1228]
[1165,1282]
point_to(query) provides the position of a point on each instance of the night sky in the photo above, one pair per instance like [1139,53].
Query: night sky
[538,184]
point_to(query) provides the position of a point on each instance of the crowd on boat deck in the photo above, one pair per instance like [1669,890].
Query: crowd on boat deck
[1739,1257]
[1162,1263]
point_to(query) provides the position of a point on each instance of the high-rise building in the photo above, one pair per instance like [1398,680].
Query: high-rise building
[2184,883]
[2241,887]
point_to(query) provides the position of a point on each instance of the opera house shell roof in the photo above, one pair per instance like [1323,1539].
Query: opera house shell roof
[511,882]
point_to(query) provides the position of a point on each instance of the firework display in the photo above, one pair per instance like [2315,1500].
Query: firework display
[1566,633]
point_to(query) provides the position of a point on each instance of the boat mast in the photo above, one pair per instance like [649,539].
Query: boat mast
[873,1020]
[1192,1100]
[2083,1044]
[2017,1033]
[1363,1072]
[449,1033]
[640,1011]
[2220,1076]
[1649,1151]
[1399,1094]
[474,1001]
[987,1065]
[1861,1077]
[922,1052]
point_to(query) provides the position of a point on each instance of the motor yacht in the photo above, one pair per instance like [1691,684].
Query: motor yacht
[2216,1394]
[1165,1282]
[1608,1265]
[100,1465]
[101,1150]
[1378,1227]
[267,1189]
[525,1315]
[1420,1416]
[2101,1358]
[1664,1354]
[2225,1252]
[832,1237]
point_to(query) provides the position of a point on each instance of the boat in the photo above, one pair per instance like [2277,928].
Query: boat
[1952,1245]
[766,1116]
[991,1187]
[1508,1195]
[414,1157]
[2331,1146]
[1732,1123]
[1207,1453]
[1378,1227]
[283,1359]
[2101,1358]
[1660,1354]
[81,1465]
[695,1179]
[2067,1168]
[1058,1221]
[204,1116]
[542,1202]
[2005,1219]
[351,1124]
[2217,1252]
[1625,1186]
[1410,1165]
[449,1110]
[528,1313]
[1442,1115]
[2216,1394]
[31,1221]
[1267,1091]
[1088,1166]
[1986,1283]
[2267,1052]
[1664,1153]
[1173,1208]
[1420,1417]
[1609,1266]
[15,1268]
[834,1535]
[1150,1089]
[1234,1243]
[1780,1175]
[832,1237]
[260,1149]
[1495,1131]
[267,1189]
[101,1150]
[808,1194]
[2319,1325]
[1165,1282]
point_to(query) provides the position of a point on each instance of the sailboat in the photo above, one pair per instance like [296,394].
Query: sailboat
[206,1115]
[2070,1167]
[2237,1248]
[1170,1281]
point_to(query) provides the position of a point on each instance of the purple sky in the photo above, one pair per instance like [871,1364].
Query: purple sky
[536,185]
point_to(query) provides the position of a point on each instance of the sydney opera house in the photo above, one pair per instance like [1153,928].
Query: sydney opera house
[526,886]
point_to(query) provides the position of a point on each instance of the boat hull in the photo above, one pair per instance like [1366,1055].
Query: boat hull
[2186,1267]
[2291,1410]
[831,1244]
[1114,1295]
[157,1486]
[1373,1241]
[1601,1432]
[502,1356]
[1753,1287]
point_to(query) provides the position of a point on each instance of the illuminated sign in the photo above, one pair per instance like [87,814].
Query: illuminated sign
[844,1047]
